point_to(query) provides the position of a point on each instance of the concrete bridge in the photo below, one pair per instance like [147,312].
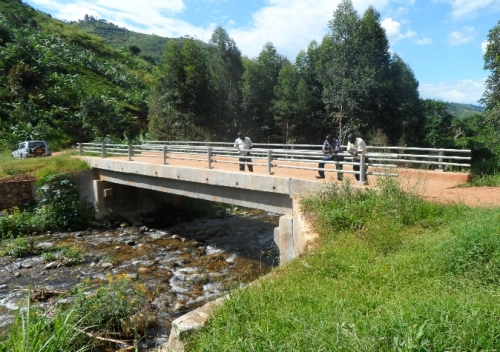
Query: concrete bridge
[138,183]
[129,188]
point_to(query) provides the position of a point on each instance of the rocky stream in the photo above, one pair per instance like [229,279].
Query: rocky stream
[182,266]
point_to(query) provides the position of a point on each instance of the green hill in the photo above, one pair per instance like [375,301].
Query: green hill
[64,85]
[151,46]
[463,110]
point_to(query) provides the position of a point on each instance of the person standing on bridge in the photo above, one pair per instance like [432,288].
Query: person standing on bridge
[331,148]
[355,147]
[244,144]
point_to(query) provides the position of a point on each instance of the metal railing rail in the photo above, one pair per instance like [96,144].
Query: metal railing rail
[297,156]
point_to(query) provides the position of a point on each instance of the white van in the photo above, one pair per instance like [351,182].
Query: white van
[31,149]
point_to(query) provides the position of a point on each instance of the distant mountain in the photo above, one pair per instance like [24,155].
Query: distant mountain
[464,110]
[151,46]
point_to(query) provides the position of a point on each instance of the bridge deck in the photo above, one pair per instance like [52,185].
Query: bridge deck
[435,186]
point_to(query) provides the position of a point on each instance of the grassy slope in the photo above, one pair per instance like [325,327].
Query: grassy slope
[392,273]
[35,168]
[463,110]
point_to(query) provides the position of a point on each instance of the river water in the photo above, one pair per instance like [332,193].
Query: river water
[182,266]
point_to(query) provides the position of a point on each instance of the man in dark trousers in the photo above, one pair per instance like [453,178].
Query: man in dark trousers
[331,148]
[244,144]
[355,147]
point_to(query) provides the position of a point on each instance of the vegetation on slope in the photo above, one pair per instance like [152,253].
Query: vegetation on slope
[63,85]
[391,273]
[149,46]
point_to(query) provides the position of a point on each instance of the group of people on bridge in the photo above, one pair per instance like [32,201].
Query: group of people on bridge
[331,148]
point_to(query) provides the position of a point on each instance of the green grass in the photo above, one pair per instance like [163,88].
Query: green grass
[391,273]
[39,167]
[34,331]
[484,181]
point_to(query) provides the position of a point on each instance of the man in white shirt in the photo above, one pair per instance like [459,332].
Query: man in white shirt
[244,144]
[356,146]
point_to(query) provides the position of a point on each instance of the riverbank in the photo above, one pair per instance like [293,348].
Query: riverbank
[182,266]
[392,272]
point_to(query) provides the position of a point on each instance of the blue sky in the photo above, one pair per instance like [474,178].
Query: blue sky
[443,41]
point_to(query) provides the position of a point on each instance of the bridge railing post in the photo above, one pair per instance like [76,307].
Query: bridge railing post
[80,149]
[362,169]
[441,154]
[164,155]
[103,150]
[209,153]
[269,161]
[130,152]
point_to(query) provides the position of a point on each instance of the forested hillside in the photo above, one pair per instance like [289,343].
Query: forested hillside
[63,85]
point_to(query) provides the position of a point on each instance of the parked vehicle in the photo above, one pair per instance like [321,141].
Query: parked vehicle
[31,149]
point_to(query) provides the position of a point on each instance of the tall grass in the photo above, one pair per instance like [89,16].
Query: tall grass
[34,331]
[392,273]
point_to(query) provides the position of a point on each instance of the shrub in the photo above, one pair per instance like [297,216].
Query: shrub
[110,303]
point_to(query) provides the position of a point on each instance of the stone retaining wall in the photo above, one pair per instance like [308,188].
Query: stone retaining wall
[15,194]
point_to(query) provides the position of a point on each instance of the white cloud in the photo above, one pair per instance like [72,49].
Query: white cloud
[484,46]
[471,8]
[424,41]
[395,34]
[466,35]
[466,91]
[291,25]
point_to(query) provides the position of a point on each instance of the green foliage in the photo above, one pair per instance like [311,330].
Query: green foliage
[35,331]
[388,281]
[18,247]
[51,69]
[461,111]
[474,249]
[106,306]
[39,167]
[59,208]
[66,255]
[59,204]
[19,223]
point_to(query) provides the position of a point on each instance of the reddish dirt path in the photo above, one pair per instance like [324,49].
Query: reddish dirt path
[436,186]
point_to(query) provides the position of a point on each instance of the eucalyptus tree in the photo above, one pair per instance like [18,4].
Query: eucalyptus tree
[374,62]
[490,133]
[404,106]
[226,72]
[491,95]
[354,71]
[340,52]
[259,79]
[181,97]
[298,108]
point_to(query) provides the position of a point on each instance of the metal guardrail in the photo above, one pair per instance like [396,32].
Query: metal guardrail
[292,156]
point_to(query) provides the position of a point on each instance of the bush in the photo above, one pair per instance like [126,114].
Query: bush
[474,251]
[59,208]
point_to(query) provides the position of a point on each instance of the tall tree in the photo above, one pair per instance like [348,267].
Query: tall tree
[438,124]
[491,96]
[340,51]
[184,91]
[298,108]
[374,61]
[405,115]
[259,79]
[226,71]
